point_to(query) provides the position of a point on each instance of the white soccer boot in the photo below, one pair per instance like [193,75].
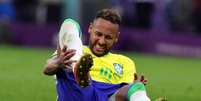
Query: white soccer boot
[70,35]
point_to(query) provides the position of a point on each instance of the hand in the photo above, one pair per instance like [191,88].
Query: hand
[140,79]
[60,61]
[64,55]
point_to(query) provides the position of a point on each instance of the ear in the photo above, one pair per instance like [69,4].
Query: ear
[117,37]
[90,27]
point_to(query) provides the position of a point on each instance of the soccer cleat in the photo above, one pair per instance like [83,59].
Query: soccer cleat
[81,70]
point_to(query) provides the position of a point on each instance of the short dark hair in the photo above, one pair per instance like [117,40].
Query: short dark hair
[110,15]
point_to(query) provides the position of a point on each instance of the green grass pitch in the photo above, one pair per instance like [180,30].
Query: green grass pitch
[21,78]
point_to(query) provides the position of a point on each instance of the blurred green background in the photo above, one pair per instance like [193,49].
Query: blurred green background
[165,27]
[21,76]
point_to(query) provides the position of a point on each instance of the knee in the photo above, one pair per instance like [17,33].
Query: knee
[120,97]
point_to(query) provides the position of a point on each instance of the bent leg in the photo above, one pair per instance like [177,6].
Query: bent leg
[70,36]
[133,92]
[137,92]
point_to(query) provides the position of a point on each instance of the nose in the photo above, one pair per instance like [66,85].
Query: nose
[102,41]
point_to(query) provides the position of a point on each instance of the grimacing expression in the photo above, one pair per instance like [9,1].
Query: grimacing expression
[103,35]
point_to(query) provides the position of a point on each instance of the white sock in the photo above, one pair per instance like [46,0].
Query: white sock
[137,92]
[139,96]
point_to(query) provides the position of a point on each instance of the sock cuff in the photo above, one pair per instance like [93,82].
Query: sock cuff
[135,87]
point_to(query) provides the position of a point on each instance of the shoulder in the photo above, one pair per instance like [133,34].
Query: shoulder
[122,58]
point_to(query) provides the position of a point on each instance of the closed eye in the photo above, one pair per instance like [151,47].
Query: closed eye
[108,37]
[99,34]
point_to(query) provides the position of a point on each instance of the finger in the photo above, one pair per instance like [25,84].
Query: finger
[69,55]
[144,82]
[63,51]
[142,78]
[64,48]
[69,51]
[69,62]
[135,76]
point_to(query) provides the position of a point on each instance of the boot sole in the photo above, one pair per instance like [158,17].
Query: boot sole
[86,62]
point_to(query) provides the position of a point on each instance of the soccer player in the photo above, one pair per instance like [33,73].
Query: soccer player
[96,74]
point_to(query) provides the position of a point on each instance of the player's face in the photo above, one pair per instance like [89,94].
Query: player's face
[103,35]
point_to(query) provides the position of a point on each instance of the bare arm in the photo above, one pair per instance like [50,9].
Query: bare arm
[61,60]
[52,66]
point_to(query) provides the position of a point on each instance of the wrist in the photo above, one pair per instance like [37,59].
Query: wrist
[59,63]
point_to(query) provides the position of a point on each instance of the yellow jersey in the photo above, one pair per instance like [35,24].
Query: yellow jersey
[111,68]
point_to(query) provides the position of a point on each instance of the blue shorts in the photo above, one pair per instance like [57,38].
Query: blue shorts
[68,90]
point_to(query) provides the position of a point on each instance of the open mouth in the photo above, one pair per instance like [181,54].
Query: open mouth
[98,48]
